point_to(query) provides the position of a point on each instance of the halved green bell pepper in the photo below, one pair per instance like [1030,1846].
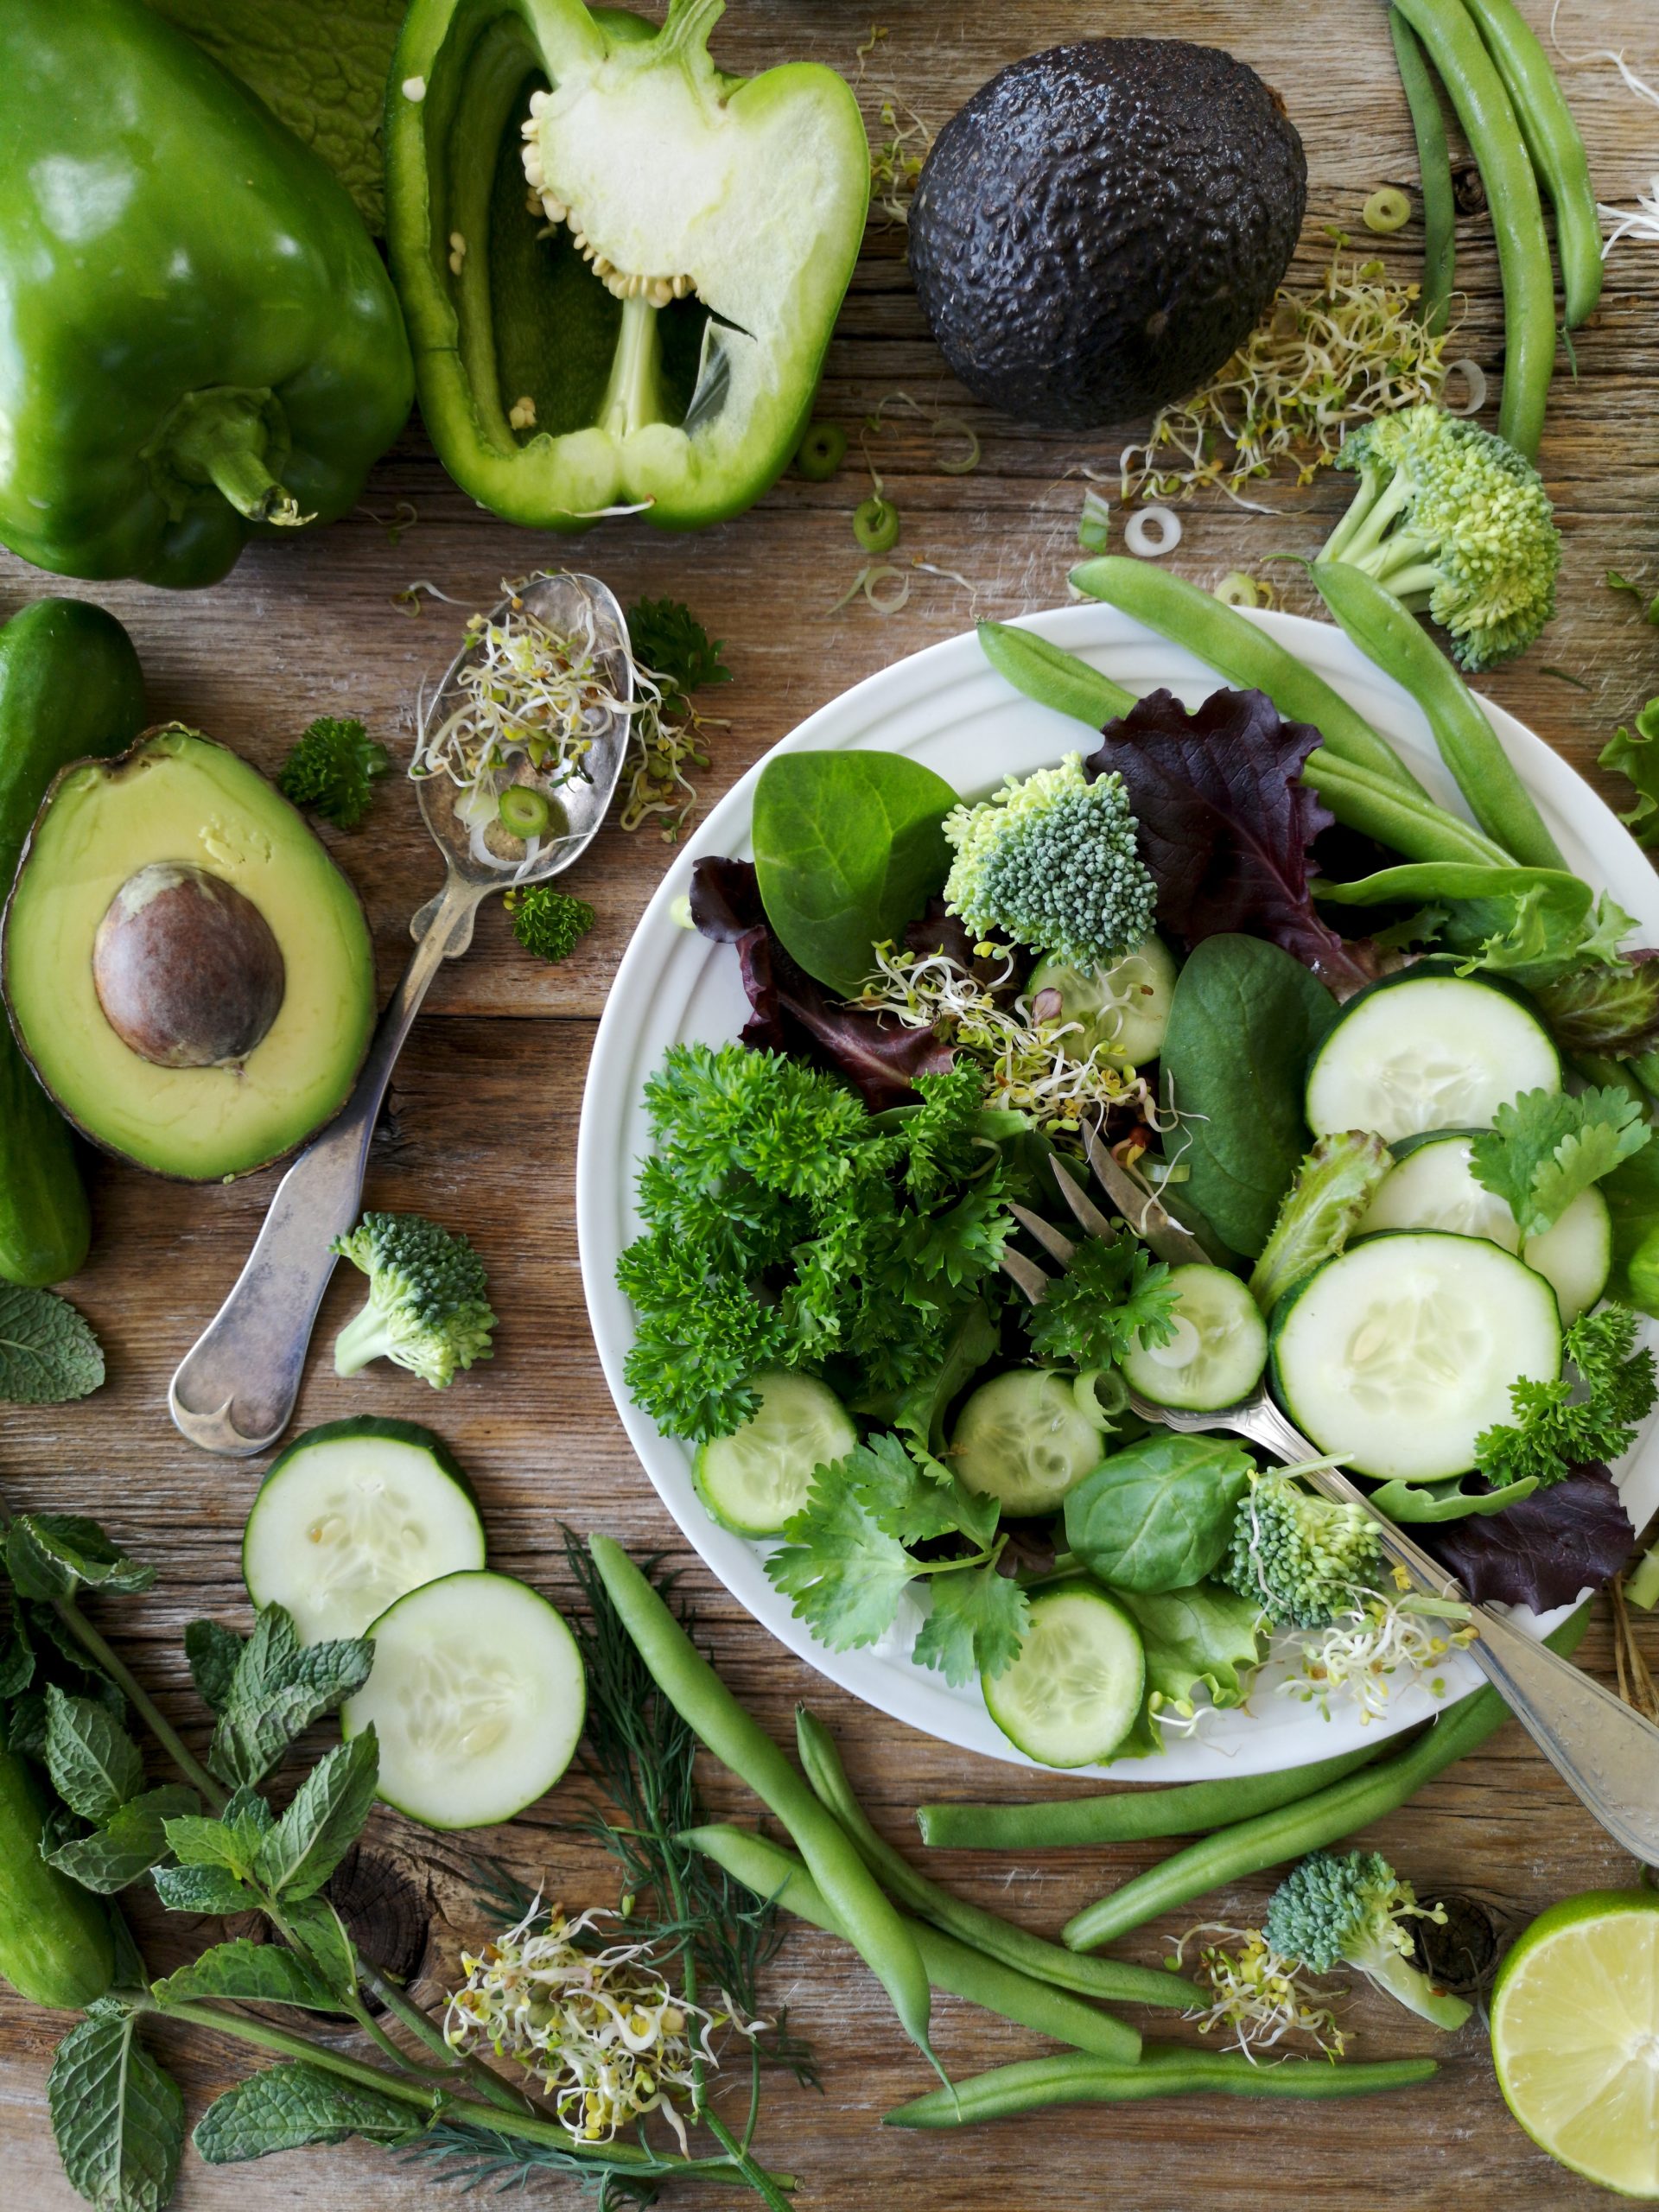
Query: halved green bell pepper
[197,337]
[620,268]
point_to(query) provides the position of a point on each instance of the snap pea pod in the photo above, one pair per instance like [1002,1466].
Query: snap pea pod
[1231,1855]
[1558,156]
[1413,826]
[1112,1978]
[870,1923]
[1434,171]
[1127,1816]
[1488,123]
[1053,676]
[1397,642]
[1245,653]
[777,1876]
[1164,2071]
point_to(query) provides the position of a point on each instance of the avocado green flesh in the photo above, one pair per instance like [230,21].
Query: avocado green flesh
[178,798]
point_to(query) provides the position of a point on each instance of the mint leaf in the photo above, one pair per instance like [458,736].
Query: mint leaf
[213,1651]
[843,1573]
[51,1555]
[316,1930]
[251,1973]
[48,1350]
[975,1626]
[278,1689]
[233,1841]
[324,1821]
[294,2104]
[202,1889]
[116,2114]
[17,1652]
[127,1845]
[1110,1293]
[94,1765]
[1545,1148]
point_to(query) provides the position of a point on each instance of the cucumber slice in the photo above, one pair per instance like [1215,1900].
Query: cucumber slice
[1027,1438]
[1124,1007]
[352,1515]
[756,1480]
[477,1696]
[1075,1691]
[1435,1187]
[1394,1356]
[1217,1352]
[1428,1052]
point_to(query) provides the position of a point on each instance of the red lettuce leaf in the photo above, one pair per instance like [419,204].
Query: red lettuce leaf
[1226,827]
[791,1012]
[1542,1550]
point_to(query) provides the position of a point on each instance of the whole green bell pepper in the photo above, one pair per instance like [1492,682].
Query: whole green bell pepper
[197,337]
[620,267]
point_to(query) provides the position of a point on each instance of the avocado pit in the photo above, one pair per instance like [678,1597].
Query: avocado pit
[187,971]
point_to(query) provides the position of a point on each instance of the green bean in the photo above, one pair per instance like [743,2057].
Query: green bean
[871,1925]
[777,1876]
[1127,1816]
[1434,167]
[1556,150]
[1053,676]
[1245,653]
[1397,643]
[1112,1978]
[1489,124]
[1231,1855]
[1164,2071]
[1417,827]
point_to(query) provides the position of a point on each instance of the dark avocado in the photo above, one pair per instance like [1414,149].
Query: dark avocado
[1102,224]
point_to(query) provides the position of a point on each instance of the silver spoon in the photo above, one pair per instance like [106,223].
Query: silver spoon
[235,1386]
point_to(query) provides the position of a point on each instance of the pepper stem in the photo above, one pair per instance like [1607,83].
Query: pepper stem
[633,396]
[222,437]
[688,23]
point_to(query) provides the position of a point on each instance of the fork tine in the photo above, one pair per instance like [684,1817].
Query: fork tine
[1145,1215]
[1057,1247]
[1027,1273]
[1088,1213]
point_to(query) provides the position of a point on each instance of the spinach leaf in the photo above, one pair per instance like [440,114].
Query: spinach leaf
[1633,1195]
[1244,1023]
[1159,1515]
[848,847]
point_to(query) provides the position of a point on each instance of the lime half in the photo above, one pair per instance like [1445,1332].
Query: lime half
[1575,2036]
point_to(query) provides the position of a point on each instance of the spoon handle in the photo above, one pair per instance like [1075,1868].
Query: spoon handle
[235,1388]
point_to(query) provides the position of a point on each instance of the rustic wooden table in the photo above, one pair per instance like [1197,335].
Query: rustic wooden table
[481,1130]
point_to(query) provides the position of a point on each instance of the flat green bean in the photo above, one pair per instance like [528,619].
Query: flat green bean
[779,1876]
[1164,2071]
[1398,643]
[869,1922]
[1112,1978]
[1053,676]
[1417,827]
[1553,141]
[1127,1816]
[1434,170]
[1243,653]
[1488,123]
[1231,1855]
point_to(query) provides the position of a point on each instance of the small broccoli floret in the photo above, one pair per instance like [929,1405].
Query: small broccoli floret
[1050,861]
[1350,1906]
[1451,518]
[1302,1558]
[547,921]
[427,1310]
[332,770]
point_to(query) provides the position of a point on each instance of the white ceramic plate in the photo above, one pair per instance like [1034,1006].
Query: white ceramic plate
[949,709]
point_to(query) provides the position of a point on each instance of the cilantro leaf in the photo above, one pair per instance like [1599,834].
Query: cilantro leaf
[975,1626]
[1559,1428]
[1110,1293]
[1546,1147]
[843,1572]
[48,1350]
[901,1500]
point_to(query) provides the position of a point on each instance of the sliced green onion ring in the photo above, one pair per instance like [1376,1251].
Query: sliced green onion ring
[875,523]
[1387,210]
[821,452]
[1150,532]
[1236,590]
[524,811]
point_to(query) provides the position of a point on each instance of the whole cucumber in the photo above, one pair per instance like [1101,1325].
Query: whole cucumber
[55,1944]
[70,685]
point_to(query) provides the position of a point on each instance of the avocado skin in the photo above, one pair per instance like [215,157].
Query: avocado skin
[1103,225]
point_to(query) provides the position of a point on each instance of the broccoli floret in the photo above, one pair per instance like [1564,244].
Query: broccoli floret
[332,770]
[547,921]
[1301,1557]
[1349,1906]
[1050,861]
[1452,519]
[427,1310]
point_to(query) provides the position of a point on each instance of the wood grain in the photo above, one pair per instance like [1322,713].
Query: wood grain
[481,1129]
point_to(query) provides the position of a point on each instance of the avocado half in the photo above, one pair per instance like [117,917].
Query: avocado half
[1103,225]
[186,971]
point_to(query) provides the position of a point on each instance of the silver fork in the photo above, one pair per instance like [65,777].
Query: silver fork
[1604,1750]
